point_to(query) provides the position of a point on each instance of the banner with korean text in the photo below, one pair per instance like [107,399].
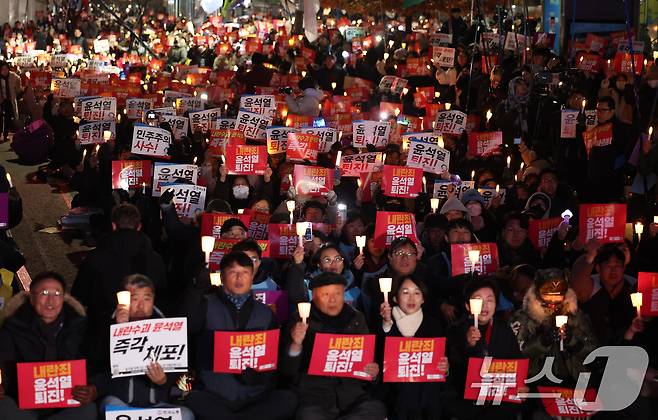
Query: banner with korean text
[342,355]
[49,384]
[410,359]
[236,351]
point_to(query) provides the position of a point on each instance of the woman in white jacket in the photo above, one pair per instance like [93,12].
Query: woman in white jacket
[309,102]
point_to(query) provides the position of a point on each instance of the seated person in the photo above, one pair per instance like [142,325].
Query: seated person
[44,324]
[151,390]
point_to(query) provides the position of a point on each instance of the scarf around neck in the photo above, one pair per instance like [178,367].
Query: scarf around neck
[407,324]
[238,300]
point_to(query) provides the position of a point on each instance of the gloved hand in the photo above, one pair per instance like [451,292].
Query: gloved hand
[550,336]
[166,199]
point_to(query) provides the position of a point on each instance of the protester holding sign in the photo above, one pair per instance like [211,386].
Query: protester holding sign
[322,396]
[238,191]
[407,319]
[151,390]
[309,102]
[231,308]
[44,324]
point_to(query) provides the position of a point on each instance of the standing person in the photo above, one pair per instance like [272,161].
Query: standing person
[308,103]
[259,75]
[250,394]
[320,397]
[407,319]
[44,324]
[10,90]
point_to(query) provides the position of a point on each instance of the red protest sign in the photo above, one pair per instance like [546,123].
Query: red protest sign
[302,147]
[313,180]
[413,359]
[219,139]
[258,225]
[390,225]
[562,403]
[416,67]
[211,223]
[541,231]
[49,384]
[299,121]
[401,181]
[224,246]
[246,160]
[485,143]
[487,261]
[495,380]
[595,43]
[342,355]
[257,350]
[605,222]
[370,181]
[283,240]
[647,284]
[590,62]
[130,173]
[599,136]
[624,63]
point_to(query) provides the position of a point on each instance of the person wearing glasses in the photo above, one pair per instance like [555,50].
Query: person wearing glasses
[44,324]
[607,155]
[328,259]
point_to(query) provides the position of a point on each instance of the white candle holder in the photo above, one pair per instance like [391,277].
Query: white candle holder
[476,309]
[216,279]
[361,243]
[304,309]
[385,285]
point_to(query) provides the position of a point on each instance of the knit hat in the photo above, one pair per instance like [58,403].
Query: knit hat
[551,281]
[472,195]
[453,203]
[230,224]
[326,279]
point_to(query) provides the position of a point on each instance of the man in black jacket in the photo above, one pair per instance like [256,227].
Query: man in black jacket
[249,395]
[124,251]
[43,325]
[320,397]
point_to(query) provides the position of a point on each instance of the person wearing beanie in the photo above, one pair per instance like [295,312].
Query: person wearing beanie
[321,396]
[483,221]
[233,228]
[453,209]
[538,335]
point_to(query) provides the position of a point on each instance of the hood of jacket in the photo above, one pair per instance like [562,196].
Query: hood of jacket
[17,302]
[533,306]
[541,196]
[454,203]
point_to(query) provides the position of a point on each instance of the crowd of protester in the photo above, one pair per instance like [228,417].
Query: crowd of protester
[143,246]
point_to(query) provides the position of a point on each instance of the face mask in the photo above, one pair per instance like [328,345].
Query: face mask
[241,192]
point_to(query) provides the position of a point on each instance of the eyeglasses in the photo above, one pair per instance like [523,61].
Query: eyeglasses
[46,292]
[328,260]
[404,254]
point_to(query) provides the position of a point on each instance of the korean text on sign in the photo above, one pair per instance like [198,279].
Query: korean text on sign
[283,240]
[450,122]
[484,143]
[259,104]
[313,180]
[201,121]
[93,132]
[375,133]
[254,349]
[168,173]
[253,125]
[342,355]
[99,109]
[487,262]
[400,181]
[49,384]
[390,225]
[495,380]
[150,141]
[541,231]
[409,359]
[605,222]
[133,345]
[244,159]
[188,199]
[428,157]
[277,139]
[353,165]
[327,136]
[136,107]
[121,413]
[647,284]
[178,124]
[130,174]
[302,147]
[66,88]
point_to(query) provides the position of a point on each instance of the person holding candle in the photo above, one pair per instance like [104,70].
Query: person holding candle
[151,390]
[492,337]
[537,333]
[327,397]
[404,317]
[354,226]
[231,307]
[44,324]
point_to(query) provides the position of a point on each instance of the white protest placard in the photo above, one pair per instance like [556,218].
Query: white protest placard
[591,119]
[443,56]
[62,60]
[122,413]
[98,109]
[450,122]
[441,188]
[65,88]
[96,64]
[489,40]
[92,133]
[440,38]
[101,45]
[387,83]
[259,104]
[277,139]
[136,107]
[168,173]
[489,193]
[428,156]
[165,110]
[191,103]
[223,124]
[25,61]
[568,123]
[354,165]
[427,137]
[170,97]
[638,47]
[133,345]
[95,79]
[188,199]
[328,136]
[150,141]
[178,124]
[370,132]
[201,120]
[77,104]
[253,125]
[515,42]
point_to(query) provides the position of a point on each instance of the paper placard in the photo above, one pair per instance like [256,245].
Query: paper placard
[49,384]
[235,351]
